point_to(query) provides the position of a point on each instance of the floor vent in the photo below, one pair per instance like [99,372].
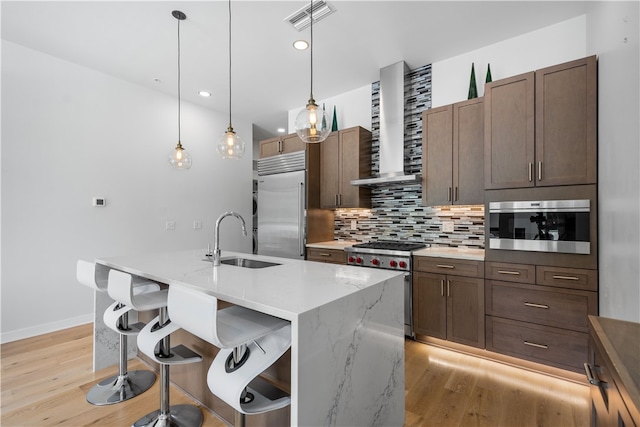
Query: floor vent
[300,19]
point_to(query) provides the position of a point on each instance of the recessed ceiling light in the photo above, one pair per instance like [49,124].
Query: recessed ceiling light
[281,130]
[300,44]
[204,93]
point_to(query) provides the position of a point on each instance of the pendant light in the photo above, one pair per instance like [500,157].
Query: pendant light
[231,146]
[179,158]
[311,122]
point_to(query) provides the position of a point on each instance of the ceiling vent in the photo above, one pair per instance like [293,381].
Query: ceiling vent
[300,19]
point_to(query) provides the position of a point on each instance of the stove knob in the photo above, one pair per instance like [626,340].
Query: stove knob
[403,264]
[358,260]
[352,259]
[375,262]
[393,263]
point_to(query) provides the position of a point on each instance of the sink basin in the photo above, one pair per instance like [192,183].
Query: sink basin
[247,263]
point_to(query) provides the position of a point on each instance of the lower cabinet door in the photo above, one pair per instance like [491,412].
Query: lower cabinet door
[430,305]
[465,310]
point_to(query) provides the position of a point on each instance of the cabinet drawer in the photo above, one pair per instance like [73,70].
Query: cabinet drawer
[573,278]
[563,308]
[543,344]
[335,256]
[458,267]
[521,273]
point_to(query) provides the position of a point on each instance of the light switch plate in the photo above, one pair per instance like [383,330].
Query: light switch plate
[170,225]
[447,226]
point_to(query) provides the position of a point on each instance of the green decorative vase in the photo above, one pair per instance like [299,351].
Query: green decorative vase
[473,90]
[334,124]
[488,79]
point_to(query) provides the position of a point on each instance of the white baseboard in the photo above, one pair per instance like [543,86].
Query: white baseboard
[46,328]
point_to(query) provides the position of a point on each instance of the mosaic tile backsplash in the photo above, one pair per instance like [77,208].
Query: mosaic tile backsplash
[396,211]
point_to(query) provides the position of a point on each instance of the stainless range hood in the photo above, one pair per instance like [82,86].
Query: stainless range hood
[392,82]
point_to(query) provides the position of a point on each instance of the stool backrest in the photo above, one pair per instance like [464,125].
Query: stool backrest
[86,275]
[121,287]
[195,312]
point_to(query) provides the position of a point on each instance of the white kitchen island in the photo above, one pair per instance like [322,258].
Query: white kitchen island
[347,350]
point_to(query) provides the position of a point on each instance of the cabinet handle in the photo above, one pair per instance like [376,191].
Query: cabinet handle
[279,146]
[445,266]
[449,195]
[339,199]
[593,380]
[566,277]
[513,273]
[335,198]
[457,195]
[324,254]
[532,304]
[448,288]
[530,171]
[442,287]
[540,171]
[532,344]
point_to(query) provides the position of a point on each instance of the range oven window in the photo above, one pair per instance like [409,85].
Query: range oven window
[547,226]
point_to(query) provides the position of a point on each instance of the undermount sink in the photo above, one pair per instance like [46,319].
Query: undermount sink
[247,263]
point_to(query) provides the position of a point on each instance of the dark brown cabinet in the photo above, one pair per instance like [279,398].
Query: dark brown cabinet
[540,313]
[344,156]
[332,256]
[452,152]
[449,306]
[281,145]
[540,127]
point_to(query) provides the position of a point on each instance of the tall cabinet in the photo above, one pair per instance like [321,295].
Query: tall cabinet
[541,127]
[452,144]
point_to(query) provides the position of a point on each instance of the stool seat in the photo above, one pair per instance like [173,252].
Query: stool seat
[122,288]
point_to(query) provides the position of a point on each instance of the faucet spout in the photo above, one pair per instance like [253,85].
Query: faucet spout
[216,234]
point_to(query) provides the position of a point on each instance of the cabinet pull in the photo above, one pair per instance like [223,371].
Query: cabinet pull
[445,266]
[540,171]
[532,304]
[566,277]
[532,344]
[513,273]
[335,198]
[448,288]
[593,380]
[442,287]
[279,146]
[325,254]
[339,199]
[530,171]
[457,195]
[449,195]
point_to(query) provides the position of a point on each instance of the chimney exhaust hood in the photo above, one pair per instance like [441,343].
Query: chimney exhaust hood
[392,82]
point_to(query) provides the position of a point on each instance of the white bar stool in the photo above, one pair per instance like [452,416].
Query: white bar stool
[249,343]
[154,341]
[125,385]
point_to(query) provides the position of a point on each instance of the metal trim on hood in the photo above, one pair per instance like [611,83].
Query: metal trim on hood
[392,84]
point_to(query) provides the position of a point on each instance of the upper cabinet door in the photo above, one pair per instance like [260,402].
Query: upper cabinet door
[437,156]
[566,123]
[270,147]
[468,152]
[329,171]
[509,132]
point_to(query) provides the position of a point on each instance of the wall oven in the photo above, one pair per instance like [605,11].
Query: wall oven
[543,226]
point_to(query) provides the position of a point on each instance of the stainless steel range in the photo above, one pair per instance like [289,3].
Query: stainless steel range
[389,255]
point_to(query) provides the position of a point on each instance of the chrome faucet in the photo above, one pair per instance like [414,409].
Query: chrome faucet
[216,235]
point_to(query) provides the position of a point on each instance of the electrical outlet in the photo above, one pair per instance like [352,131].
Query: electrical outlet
[354,224]
[197,225]
[170,225]
[447,226]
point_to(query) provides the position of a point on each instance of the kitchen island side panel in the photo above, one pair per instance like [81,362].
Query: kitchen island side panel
[348,361]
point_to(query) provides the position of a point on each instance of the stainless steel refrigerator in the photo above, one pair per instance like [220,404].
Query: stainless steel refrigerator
[282,205]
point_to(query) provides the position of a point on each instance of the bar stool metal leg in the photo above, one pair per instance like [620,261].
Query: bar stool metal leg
[125,385]
[169,416]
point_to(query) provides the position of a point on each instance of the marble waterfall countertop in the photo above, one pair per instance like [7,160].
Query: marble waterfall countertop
[344,321]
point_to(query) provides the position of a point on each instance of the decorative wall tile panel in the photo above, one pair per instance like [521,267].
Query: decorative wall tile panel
[396,211]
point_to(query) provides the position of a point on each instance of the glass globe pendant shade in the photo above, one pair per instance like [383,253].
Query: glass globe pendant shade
[179,158]
[231,146]
[311,123]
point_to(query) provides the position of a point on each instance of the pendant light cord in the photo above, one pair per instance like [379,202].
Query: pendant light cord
[230,127]
[178,80]
[311,38]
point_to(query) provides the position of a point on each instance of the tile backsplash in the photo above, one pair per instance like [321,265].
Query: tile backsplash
[397,212]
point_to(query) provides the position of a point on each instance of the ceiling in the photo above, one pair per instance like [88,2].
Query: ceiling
[137,41]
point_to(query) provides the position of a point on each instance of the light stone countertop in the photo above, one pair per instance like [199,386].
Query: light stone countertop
[333,244]
[449,252]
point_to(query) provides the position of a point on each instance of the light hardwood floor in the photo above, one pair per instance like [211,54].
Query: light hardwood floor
[44,381]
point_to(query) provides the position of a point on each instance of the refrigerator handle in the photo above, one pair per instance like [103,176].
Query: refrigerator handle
[301,234]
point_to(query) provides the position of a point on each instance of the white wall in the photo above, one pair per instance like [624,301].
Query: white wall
[70,133]
[613,35]
[548,46]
